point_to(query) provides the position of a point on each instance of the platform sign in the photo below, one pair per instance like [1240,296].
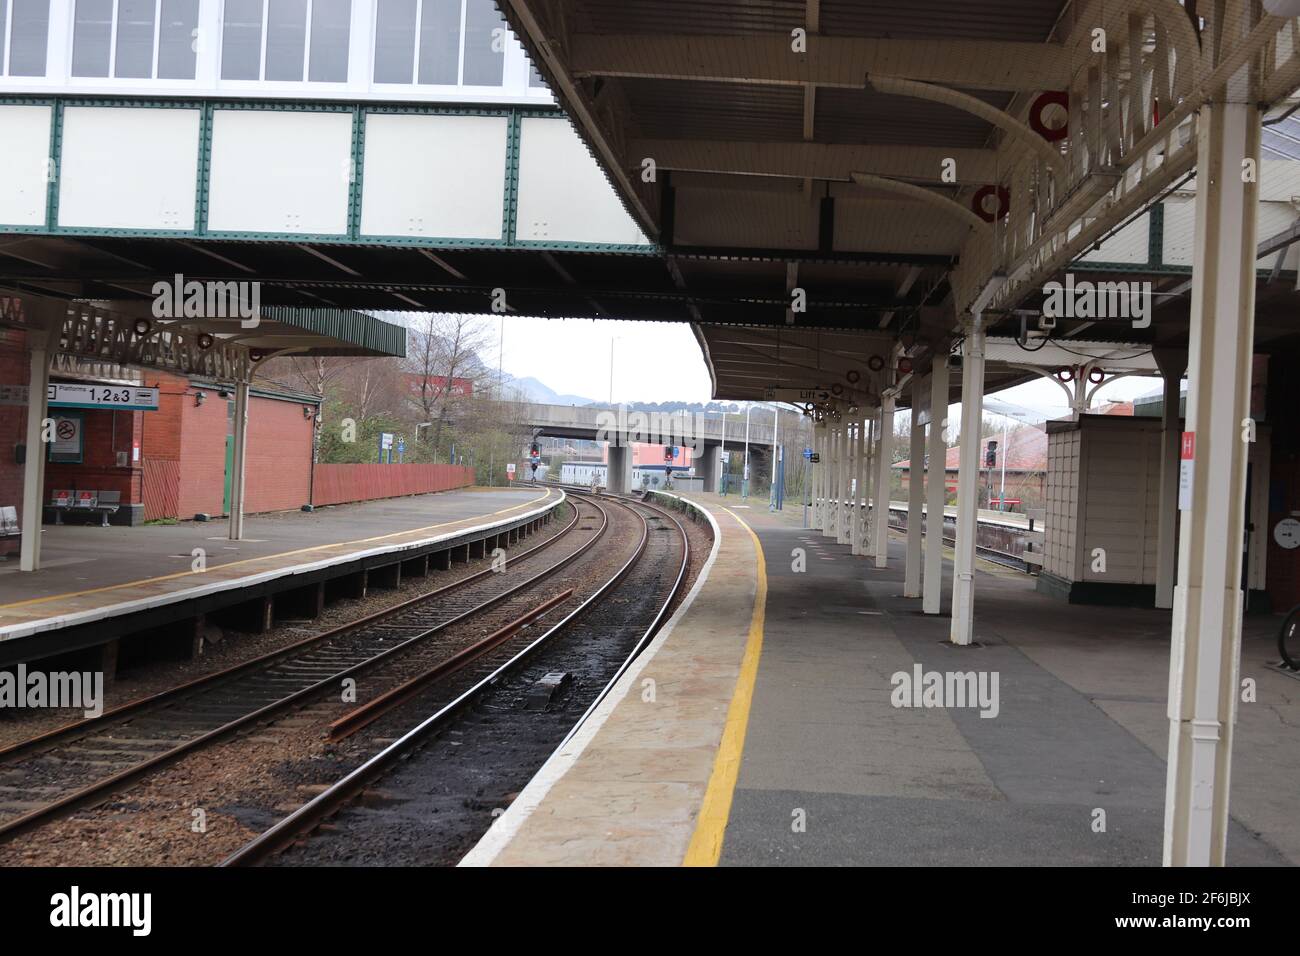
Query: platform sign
[815,457]
[1186,470]
[65,395]
[800,396]
[65,445]
[14,394]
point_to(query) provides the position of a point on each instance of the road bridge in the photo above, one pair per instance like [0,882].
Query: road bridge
[705,434]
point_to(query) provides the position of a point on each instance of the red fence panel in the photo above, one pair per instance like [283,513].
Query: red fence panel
[336,484]
[161,488]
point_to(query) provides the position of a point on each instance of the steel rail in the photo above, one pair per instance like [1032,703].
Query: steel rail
[329,801]
[372,710]
[97,791]
[650,631]
[94,724]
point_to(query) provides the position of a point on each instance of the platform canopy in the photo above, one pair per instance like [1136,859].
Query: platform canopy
[103,337]
[884,167]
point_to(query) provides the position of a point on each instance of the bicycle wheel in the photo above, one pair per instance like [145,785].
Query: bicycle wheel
[1288,639]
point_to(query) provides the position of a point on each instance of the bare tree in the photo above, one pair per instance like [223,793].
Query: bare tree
[315,374]
[371,387]
[444,349]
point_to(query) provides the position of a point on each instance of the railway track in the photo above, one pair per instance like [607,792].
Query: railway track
[493,735]
[60,772]
[989,554]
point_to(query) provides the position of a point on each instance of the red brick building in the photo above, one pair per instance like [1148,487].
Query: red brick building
[14,371]
[188,449]
[173,462]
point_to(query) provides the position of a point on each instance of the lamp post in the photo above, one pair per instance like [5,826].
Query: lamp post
[778,462]
[744,477]
[722,457]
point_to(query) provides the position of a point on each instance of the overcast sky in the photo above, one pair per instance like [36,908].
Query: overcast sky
[661,361]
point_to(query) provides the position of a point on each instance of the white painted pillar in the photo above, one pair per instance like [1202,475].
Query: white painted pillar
[841,486]
[844,533]
[936,491]
[882,488]
[828,521]
[859,515]
[873,473]
[39,340]
[815,479]
[1206,646]
[826,477]
[850,493]
[236,531]
[915,496]
[873,480]
[846,489]
[968,479]
[1172,363]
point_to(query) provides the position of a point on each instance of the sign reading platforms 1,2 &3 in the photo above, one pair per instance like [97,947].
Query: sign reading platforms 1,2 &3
[77,395]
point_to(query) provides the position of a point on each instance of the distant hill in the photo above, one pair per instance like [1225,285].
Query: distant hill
[536,391]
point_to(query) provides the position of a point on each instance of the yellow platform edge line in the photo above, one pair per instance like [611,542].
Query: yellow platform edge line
[266,557]
[706,842]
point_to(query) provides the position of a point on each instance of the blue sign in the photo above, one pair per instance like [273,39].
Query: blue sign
[808,453]
[401,445]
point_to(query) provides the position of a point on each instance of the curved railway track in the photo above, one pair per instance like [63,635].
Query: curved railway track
[83,763]
[491,735]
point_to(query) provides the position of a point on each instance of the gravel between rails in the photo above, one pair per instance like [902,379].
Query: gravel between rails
[434,805]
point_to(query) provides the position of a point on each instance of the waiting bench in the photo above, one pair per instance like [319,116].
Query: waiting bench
[85,502]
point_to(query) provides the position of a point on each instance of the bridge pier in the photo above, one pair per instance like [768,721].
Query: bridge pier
[706,466]
[619,481]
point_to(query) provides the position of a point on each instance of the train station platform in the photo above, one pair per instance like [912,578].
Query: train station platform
[93,577]
[770,732]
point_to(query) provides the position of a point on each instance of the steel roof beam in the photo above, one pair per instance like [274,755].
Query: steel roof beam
[830,61]
[816,160]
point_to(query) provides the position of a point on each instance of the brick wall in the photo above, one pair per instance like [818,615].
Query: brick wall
[202,442]
[278,473]
[278,468]
[1283,570]
[14,369]
[336,484]
[104,433]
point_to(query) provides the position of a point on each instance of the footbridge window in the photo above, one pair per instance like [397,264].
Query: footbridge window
[135,39]
[440,42]
[286,40]
[24,37]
